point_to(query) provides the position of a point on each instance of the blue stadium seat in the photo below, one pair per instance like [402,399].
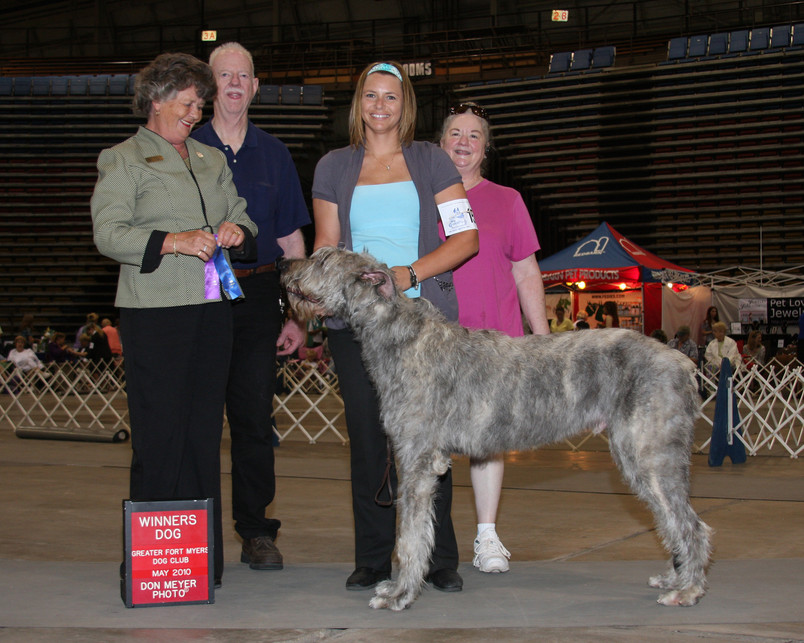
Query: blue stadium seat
[291,94]
[604,56]
[79,85]
[22,86]
[6,85]
[559,62]
[780,36]
[677,49]
[738,41]
[41,85]
[718,44]
[697,47]
[98,85]
[118,84]
[581,59]
[59,85]
[131,80]
[312,94]
[798,35]
[269,94]
[760,39]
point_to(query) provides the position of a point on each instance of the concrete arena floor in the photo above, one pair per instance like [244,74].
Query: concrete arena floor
[582,550]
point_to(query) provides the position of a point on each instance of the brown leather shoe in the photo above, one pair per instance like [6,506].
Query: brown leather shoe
[261,553]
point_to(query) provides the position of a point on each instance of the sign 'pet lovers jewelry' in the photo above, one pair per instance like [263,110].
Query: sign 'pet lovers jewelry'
[168,550]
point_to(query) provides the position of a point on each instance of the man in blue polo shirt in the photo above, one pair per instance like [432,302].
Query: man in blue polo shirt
[265,176]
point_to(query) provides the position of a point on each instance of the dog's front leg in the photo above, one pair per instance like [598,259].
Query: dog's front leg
[416,535]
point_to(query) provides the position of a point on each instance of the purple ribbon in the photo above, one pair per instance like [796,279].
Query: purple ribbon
[217,273]
[212,282]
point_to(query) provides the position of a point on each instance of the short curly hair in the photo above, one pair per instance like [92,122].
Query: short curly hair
[169,74]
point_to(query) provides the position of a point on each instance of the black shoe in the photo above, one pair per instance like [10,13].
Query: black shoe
[261,553]
[445,580]
[365,578]
[218,583]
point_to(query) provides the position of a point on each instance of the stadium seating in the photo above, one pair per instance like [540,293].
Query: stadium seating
[688,160]
[52,129]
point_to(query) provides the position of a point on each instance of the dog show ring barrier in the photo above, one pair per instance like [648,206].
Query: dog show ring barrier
[71,401]
[83,401]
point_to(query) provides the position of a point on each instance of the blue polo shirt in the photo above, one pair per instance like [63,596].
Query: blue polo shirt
[265,176]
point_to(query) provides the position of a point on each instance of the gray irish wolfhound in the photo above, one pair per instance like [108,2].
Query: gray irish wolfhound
[444,389]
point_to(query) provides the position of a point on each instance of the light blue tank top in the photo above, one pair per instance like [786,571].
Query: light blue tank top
[385,222]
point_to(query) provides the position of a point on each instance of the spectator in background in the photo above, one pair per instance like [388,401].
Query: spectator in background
[611,319]
[659,335]
[720,347]
[23,358]
[96,345]
[708,323]
[92,318]
[59,352]
[682,342]
[581,317]
[753,349]
[26,330]
[560,324]
[112,338]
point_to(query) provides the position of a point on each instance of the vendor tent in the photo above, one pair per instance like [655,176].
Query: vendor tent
[606,260]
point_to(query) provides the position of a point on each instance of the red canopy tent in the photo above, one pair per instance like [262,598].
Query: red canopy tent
[605,260]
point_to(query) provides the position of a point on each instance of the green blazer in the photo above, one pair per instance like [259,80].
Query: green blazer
[145,192]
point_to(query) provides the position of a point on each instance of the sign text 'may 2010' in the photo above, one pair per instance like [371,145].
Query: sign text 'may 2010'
[168,552]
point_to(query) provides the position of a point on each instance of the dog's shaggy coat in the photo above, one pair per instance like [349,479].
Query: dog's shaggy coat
[444,389]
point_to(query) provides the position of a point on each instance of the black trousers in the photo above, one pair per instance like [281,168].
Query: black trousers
[249,404]
[375,525]
[177,362]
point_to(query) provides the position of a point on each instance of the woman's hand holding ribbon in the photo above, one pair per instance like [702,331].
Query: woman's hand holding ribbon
[230,235]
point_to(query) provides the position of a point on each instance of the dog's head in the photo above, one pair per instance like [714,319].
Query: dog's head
[336,283]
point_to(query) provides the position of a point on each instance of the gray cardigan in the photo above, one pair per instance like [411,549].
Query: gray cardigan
[431,171]
[144,192]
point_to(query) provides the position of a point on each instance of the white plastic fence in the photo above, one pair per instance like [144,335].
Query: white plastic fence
[83,401]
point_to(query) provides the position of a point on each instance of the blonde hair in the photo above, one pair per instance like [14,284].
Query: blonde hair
[407,121]
[719,326]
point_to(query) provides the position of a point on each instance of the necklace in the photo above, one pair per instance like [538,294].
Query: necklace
[387,166]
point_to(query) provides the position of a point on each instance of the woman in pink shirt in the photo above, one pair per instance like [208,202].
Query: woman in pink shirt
[494,288]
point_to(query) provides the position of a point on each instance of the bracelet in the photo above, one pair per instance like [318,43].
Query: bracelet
[175,252]
[414,280]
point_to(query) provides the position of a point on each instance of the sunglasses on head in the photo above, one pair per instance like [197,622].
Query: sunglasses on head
[477,110]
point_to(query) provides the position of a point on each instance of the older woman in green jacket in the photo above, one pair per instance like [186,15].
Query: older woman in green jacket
[166,209]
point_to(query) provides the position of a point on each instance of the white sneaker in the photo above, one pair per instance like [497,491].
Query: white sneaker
[490,555]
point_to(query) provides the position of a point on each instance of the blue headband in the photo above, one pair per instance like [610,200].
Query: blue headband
[386,67]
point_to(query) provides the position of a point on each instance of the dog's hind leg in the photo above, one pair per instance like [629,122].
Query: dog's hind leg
[659,476]
[416,535]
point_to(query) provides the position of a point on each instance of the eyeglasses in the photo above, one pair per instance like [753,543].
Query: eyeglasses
[477,110]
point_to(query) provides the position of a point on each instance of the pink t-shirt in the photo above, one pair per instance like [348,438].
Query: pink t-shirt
[485,287]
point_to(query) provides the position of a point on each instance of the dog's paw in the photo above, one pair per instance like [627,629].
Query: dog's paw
[663,581]
[385,589]
[388,596]
[378,603]
[682,597]
[441,464]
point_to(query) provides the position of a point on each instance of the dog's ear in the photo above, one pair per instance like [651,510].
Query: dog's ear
[383,281]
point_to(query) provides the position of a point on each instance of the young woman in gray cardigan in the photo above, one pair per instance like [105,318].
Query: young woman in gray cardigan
[386,193]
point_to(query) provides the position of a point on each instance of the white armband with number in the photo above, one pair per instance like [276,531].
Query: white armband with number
[457,216]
